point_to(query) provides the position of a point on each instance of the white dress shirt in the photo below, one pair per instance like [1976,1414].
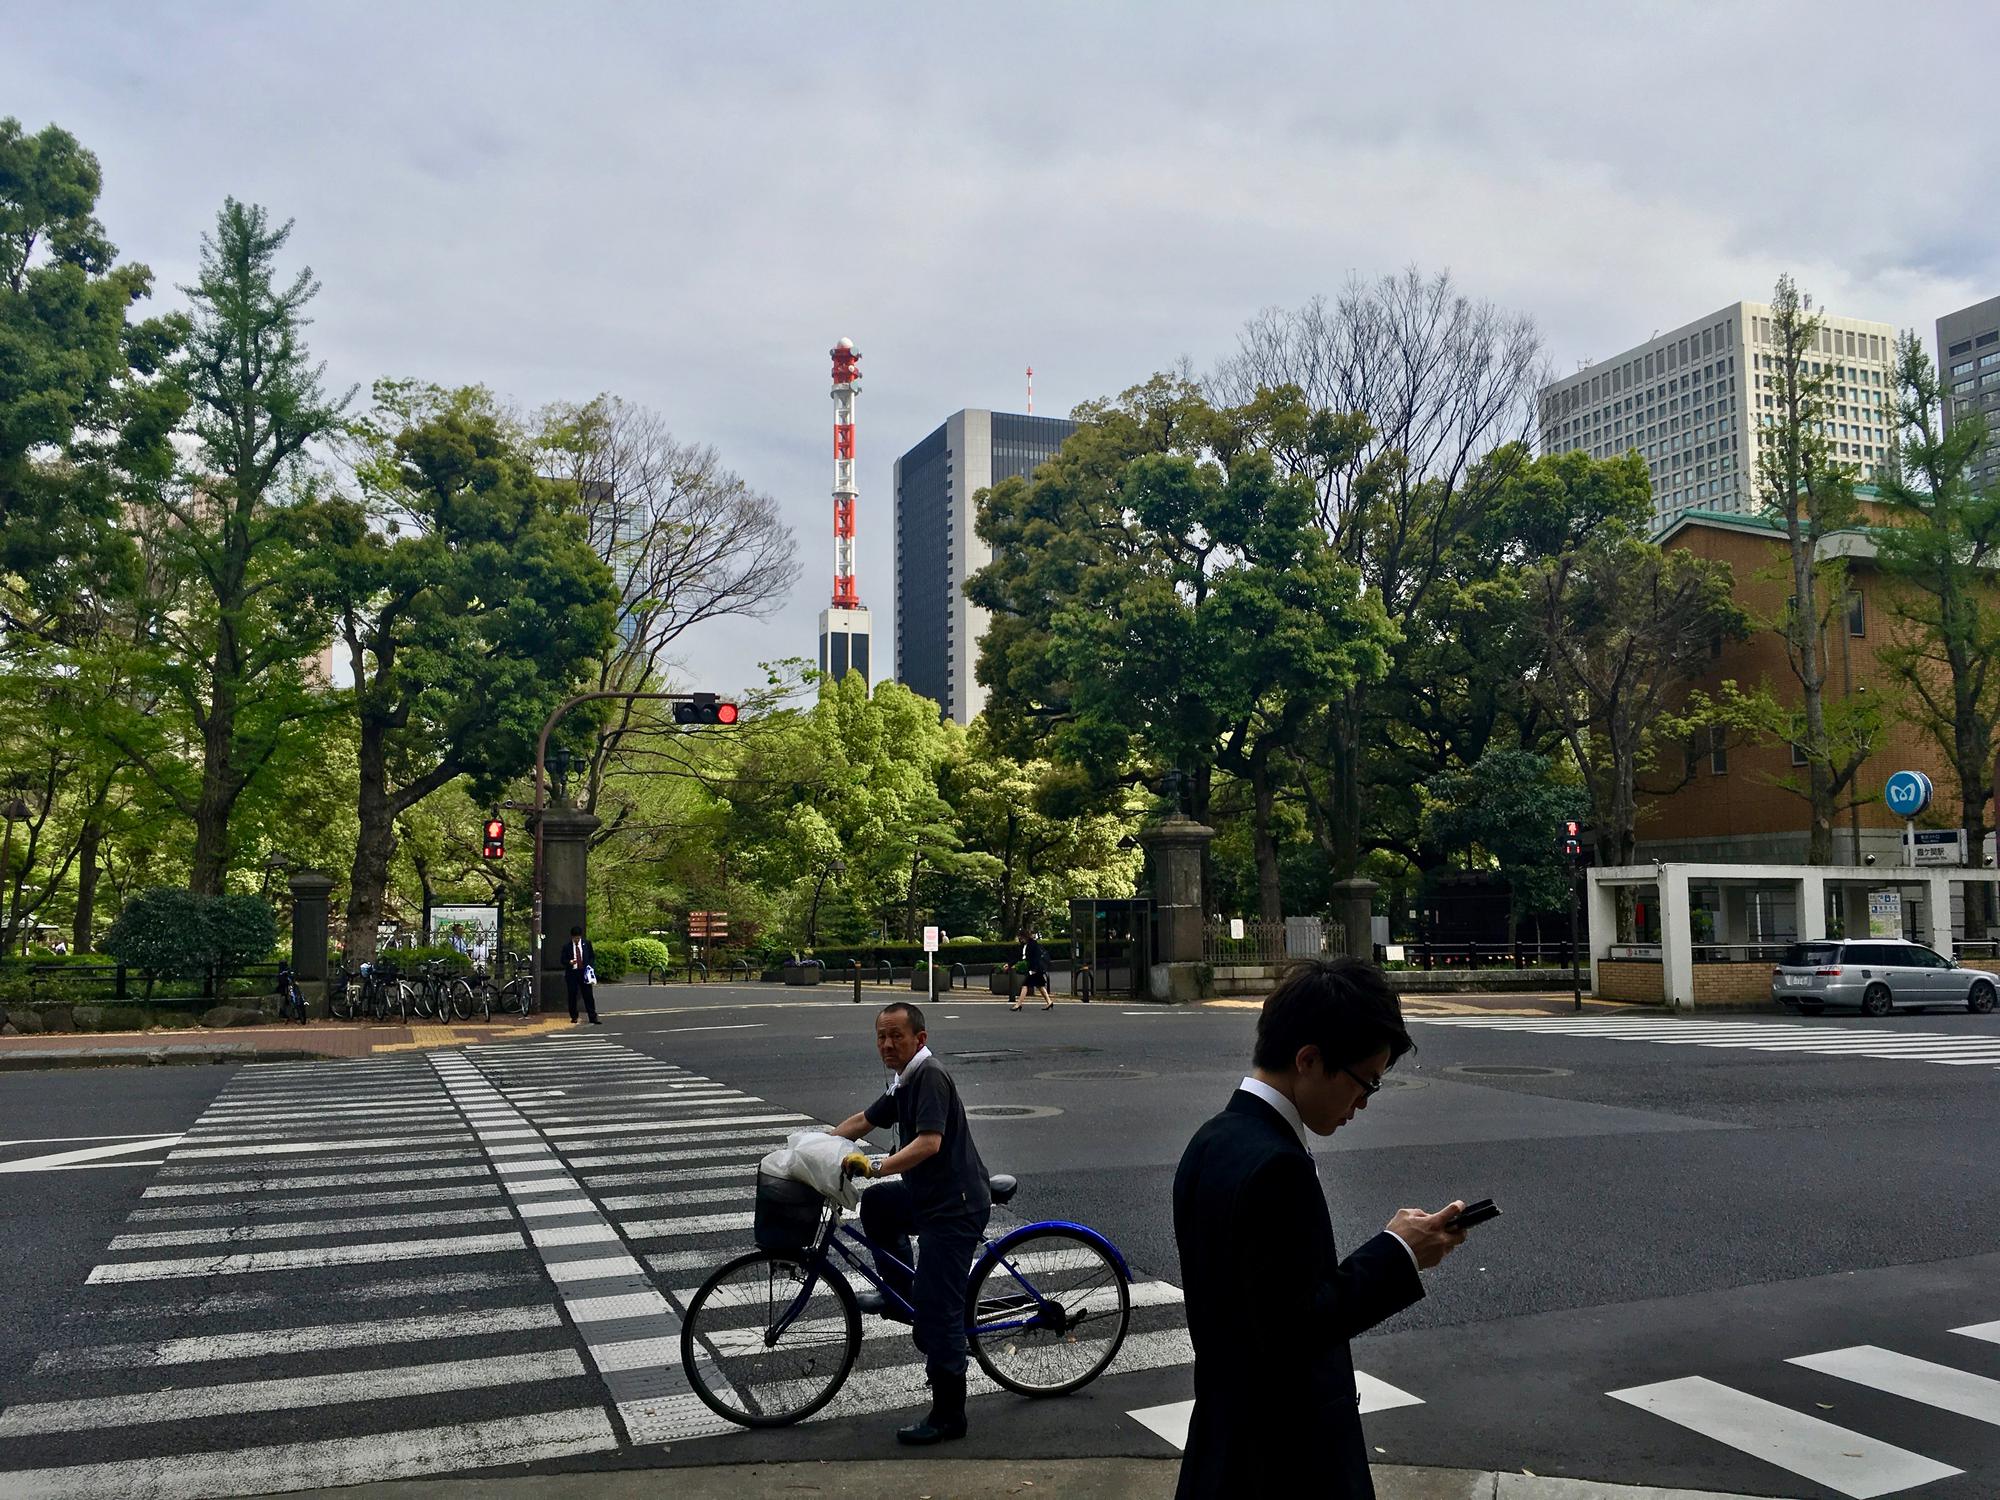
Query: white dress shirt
[1256,1088]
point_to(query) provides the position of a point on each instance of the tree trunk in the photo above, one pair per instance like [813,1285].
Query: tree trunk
[218,792]
[374,846]
[87,872]
[1270,897]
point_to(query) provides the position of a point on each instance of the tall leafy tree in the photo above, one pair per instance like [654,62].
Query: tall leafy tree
[1164,597]
[1503,813]
[1939,554]
[467,602]
[1810,494]
[235,638]
[82,417]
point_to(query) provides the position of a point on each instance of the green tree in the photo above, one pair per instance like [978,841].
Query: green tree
[1939,554]
[1162,596]
[467,601]
[82,420]
[234,638]
[1810,494]
[1505,813]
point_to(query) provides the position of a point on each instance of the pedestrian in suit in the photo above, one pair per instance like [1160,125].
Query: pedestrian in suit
[1270,1306]
[580,975]
[1035,959]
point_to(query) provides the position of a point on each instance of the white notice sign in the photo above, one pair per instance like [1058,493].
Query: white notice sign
[930,940]
[1236,927]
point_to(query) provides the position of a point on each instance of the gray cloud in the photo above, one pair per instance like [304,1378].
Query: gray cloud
[687,205]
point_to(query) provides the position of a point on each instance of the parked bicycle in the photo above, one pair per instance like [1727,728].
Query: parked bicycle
[437,994]
[518,993]
[771,1336]
[291,1004]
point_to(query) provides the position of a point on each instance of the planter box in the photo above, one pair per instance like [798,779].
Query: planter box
[803,974]
[1004,981]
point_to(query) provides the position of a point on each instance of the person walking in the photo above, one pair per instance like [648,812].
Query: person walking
[1270,1307]
[1035,960]
[943,1198]
[580,975]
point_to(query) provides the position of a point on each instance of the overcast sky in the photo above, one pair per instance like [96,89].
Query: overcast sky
[687,204]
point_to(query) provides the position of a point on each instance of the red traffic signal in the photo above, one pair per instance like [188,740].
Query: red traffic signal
[1572,838]
[704,708]
[496,839]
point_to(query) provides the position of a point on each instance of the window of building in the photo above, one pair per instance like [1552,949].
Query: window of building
[1857,614]
[1987,338]
[1963,367]
[1963,346]
[1718,750]
[1798,754]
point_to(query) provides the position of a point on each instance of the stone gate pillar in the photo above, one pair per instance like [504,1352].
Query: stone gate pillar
[1354,900]
[565,871]
[1175,845]
[310,890]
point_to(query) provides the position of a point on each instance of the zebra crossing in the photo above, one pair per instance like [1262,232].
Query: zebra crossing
[1950,1049]
[1844,1460]
[347,1272]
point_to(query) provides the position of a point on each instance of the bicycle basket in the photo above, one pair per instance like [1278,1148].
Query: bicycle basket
[788,1213]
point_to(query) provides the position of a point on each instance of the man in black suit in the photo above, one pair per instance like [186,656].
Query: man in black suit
[580,975]
[1270,1306]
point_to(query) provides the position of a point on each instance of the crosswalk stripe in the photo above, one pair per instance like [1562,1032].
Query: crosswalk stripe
[1791,1038]
[94,1413]
[304,1148]
[390,1251]
[1171,1421]
[1837,1457]
[705,1122]
[231,1234]
[331,1463]
[191,1171]
[254,1207]
[1941,1386]
[1986,1332]
[264,1343]
[656,1229]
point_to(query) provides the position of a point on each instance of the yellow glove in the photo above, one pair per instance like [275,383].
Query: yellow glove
[857,1165]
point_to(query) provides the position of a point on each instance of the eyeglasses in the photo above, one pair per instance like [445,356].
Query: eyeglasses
[1369,1087]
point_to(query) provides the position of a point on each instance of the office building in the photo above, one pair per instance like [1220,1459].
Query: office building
[1968,344]
[843,642]
[1694,400]
[937,548]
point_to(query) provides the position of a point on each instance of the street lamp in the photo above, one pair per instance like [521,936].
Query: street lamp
[560,764]
[275,864]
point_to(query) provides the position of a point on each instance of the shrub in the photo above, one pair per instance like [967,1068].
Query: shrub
[613,960]
[647,953]
[169,932]
[409,960]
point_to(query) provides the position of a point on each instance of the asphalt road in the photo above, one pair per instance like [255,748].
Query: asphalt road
[1691,1209]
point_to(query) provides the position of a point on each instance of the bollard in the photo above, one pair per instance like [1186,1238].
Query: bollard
[857,979]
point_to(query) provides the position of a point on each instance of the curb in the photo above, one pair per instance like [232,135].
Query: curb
[23,1061]
[964,1479]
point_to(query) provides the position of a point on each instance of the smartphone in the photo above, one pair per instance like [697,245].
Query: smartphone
[1473,1214]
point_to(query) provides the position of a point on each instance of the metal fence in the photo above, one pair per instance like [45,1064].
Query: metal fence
[1239,941]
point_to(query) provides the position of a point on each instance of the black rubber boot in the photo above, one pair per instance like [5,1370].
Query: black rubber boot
[947,1414]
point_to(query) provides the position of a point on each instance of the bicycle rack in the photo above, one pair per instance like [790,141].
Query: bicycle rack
[961,977]
[693,964]
[749,970]
[1085,984]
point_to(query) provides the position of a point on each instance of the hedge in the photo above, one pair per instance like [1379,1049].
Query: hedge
[904,955]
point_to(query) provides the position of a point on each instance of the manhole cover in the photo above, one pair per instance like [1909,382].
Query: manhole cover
[1010,1111]
[1094,1075]
[1506,1070]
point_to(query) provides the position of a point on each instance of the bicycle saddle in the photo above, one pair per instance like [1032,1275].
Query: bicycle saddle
[1003,1187]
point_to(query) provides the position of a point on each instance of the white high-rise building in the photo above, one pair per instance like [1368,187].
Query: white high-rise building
[1693,402]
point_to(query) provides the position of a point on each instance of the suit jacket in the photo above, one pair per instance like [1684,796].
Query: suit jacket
[1270,1308]
[573,976]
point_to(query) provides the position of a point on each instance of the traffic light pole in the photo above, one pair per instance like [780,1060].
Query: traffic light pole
[540,805]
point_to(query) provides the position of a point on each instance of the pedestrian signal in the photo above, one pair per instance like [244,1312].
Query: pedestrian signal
[496,839]
[704,708]
[1572,839]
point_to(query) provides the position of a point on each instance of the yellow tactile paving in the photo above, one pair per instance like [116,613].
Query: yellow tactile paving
[424,1037]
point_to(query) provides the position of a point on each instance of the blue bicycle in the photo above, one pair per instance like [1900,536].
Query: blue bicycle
[771,1336]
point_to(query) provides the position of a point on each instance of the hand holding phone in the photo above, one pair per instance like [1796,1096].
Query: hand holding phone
[1473,1214]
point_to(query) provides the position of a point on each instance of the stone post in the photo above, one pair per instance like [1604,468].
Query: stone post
[1355,901]
[1174,845]
[310,889]
[565,872]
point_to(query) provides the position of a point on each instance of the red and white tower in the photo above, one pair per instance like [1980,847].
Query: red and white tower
[845,628]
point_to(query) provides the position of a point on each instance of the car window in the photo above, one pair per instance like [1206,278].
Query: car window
[1925,958]
[1881,955]
[1811,955]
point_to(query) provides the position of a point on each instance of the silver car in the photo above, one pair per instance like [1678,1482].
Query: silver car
[1876,976]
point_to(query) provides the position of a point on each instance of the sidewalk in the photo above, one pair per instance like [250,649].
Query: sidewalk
[966,1479]
[98,1049]
[1492,1003]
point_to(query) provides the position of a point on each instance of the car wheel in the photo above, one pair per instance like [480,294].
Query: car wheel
[1877,1000]
[1980,999]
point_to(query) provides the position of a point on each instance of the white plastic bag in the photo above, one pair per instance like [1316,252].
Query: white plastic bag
[820,1160]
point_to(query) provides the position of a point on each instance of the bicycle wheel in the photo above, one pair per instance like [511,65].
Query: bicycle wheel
[746,1372]
[1048,1313]
[338,998]
[456,999]
[524,995]
[478,1000]
[396,999]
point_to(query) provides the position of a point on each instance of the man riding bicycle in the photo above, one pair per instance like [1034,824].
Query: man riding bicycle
[943,1196]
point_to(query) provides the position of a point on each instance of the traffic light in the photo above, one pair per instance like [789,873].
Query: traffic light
[703,708]
[1572,839]
[496,839]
